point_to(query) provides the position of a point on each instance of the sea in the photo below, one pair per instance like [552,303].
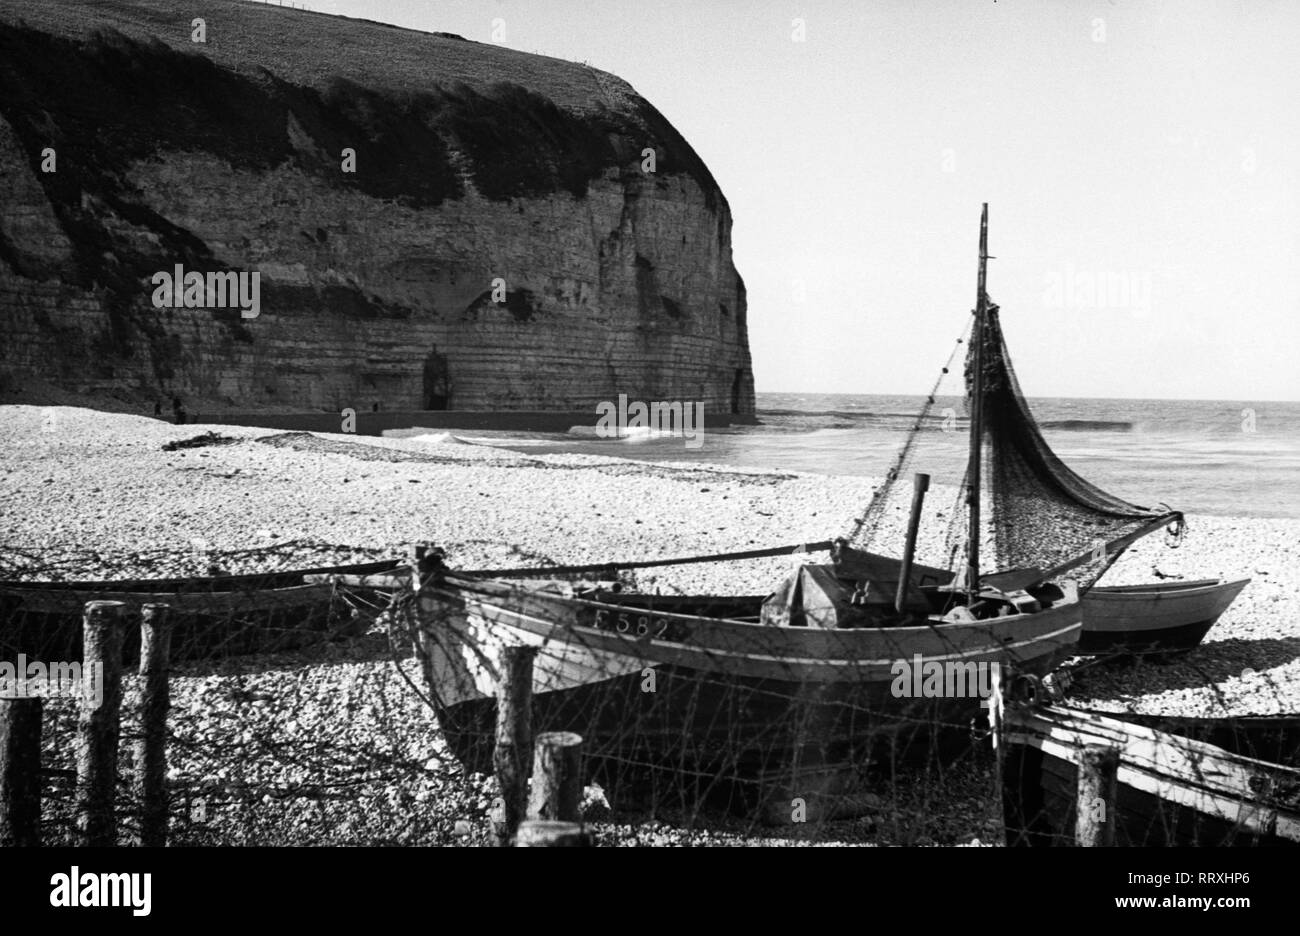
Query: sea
[1230,458]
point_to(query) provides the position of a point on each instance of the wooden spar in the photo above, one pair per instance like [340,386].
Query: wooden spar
[397,577]
[1116,545]
[920,484]
[977,417]
[820,546]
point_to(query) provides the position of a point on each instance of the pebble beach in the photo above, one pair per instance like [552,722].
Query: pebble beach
[92,495]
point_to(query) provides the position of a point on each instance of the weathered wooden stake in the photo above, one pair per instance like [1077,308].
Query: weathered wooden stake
[20,772]
[98,728]
[557,777]
[151,747]
[551,833]
[1094,825]
[514,737]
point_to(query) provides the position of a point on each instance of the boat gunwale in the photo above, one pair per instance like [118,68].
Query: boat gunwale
[233,601]
[1170,589]
[247,581]
[829,649]
[902,630]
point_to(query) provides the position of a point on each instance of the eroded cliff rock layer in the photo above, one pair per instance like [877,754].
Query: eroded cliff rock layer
[475,167]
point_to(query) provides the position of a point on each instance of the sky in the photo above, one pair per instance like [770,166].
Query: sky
[1141,162]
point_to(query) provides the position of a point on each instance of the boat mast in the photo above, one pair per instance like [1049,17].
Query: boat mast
[977,418]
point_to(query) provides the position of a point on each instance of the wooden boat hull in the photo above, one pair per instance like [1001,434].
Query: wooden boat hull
[1272,738]
[707,693]
[223,615]
[1172,788]
[1153,618]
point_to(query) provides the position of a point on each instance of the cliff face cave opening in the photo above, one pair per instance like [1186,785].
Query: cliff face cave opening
[437,381]
[121,105]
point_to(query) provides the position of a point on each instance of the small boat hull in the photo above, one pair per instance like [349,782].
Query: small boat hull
[211,616]
[1174,787]
[1162,617]
[714,695]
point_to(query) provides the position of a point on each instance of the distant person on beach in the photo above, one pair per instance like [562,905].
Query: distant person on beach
[157,409]
[178,411]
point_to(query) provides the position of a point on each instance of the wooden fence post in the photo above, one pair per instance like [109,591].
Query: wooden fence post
[557,777]
[514,737]
[151,747]
[1094,825]
[20,772]
[551,833]
[98,728]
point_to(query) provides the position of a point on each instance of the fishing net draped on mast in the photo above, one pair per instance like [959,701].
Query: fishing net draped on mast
[1038,513]
[1044,515]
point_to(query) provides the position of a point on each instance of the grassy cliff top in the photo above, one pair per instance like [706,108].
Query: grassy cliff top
[314,49]
[111,85]
[527,123]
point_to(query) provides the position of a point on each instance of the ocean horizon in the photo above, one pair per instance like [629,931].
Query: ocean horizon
[1220,457]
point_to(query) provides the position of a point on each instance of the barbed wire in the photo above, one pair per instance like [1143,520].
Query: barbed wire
[320,735]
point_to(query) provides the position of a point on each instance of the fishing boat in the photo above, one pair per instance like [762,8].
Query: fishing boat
[838,660]
[1047,522]
[1043,526]
[223,614]
[1179,781]
[1163,617]
[1121,620]
[1157,619]
[656,679]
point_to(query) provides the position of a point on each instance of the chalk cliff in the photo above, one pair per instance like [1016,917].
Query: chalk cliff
[476,167]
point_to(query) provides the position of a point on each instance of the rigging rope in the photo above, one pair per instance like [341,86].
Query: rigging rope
[864,527]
